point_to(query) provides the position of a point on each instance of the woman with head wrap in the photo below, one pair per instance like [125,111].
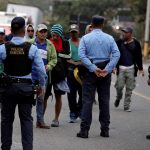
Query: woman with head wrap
[29,32]
[59,72]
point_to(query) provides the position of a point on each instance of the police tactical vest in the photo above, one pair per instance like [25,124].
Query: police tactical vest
[17,62]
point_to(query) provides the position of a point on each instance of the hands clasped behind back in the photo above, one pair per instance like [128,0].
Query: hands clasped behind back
[100,72]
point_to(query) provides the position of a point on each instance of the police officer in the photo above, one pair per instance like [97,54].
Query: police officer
[99,53]
[19,57]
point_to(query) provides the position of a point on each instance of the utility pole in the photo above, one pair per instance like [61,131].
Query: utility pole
[146,39]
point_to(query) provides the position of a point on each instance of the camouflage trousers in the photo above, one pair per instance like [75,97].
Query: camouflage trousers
[125,79]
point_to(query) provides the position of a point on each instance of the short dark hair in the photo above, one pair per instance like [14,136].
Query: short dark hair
[17,31]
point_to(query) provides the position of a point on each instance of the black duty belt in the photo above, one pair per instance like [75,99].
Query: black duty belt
[102,65]
[21,80]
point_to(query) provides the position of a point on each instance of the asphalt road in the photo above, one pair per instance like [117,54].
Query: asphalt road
[127,129]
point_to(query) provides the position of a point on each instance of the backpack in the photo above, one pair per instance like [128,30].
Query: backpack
[58,72]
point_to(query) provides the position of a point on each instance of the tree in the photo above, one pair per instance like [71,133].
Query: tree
[63,10]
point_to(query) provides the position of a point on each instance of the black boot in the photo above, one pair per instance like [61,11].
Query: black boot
[148,137]
[104,133]
[83,134]
[116,103]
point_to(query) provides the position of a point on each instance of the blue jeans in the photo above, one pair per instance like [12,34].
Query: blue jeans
[40,108]
[10,99]
[90,84]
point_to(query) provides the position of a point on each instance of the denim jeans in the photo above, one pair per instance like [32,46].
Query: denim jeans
[40,108]
[74,104]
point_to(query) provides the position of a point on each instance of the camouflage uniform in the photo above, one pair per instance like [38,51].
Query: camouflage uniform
[125,77]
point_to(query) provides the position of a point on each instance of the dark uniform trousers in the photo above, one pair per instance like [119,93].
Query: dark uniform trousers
[90,84]
[10,99]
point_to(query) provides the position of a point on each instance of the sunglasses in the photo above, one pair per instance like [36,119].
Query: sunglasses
[30,30]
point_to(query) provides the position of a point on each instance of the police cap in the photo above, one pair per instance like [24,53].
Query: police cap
[17,23]
[98,19]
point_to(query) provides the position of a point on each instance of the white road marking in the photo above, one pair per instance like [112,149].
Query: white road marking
[141,95]
[137,93]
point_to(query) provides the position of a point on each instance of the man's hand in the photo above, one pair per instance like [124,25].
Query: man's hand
[40,91]
[100,73]
[46,68]
[141,72]
[97,72]
[77,63]
[103,73]
[114,71]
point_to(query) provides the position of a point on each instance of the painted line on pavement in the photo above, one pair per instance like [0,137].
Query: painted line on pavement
[141,95]
[137,93]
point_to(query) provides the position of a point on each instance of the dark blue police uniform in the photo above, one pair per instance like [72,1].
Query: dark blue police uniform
[99,53]
[18,58]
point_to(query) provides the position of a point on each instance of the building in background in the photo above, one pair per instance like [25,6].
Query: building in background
[6,18]
[34,14]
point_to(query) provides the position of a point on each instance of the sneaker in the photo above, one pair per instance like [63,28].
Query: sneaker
[72,120]
[73,117]
[127,109]
[116,103]
[55,123]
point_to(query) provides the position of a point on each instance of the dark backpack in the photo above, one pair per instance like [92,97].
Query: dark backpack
[58,72]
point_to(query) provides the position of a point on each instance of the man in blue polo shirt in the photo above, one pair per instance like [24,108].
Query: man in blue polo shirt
[99,54]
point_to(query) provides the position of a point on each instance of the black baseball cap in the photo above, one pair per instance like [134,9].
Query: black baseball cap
[127,30]
[18,23]
[98,19]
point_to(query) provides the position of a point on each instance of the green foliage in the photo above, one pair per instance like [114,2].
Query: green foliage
[63,10]
[108,8]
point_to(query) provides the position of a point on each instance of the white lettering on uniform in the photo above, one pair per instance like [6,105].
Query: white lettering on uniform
[43,53]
